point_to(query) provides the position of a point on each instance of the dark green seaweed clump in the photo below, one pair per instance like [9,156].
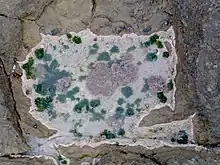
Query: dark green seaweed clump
[147,43]
[39,53]
[104,56]
[120,101]
[119,112]
[121,132]
[43,103]
[151,57]
[68,35]
[63,162]
[161,97]
[39,89]
[159,44]
[77,40]
[129,111]
[154,38]
[71,93]
[127,91]
[166,54]
[80,105]
[170,85]
[29,69]
[137,101]
[115,49]
[108,134]
[95,103]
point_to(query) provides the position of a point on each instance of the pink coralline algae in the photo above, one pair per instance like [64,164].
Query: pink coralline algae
[104,79]
[63,84]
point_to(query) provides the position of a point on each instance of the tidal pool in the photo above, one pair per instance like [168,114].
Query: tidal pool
[94,88]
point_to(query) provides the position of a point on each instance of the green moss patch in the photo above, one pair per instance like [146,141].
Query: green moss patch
[127,91]
[29,69]
[77,40]
[104,56]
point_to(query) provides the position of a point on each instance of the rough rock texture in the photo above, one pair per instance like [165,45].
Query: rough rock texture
[140,155]
[25,161]
[196,29]
[23,8]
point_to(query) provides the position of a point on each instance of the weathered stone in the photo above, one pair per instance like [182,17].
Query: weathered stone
[23,8]
[25,161]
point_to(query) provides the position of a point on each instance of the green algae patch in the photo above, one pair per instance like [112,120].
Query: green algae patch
[29,69]
[151,57]
[43,103]
[166,54]
[131,48]
[161,97]
[77,40]
[39,53]
[170,85]
[127,91]
[47,57]
[108,134]
[119,111]
[80,105]
[153,39]
[104,56]
[95,103]
[159,44]
[129,111]
[115,49]
[120,101]
[93,49]
[121,132]
[68,36]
